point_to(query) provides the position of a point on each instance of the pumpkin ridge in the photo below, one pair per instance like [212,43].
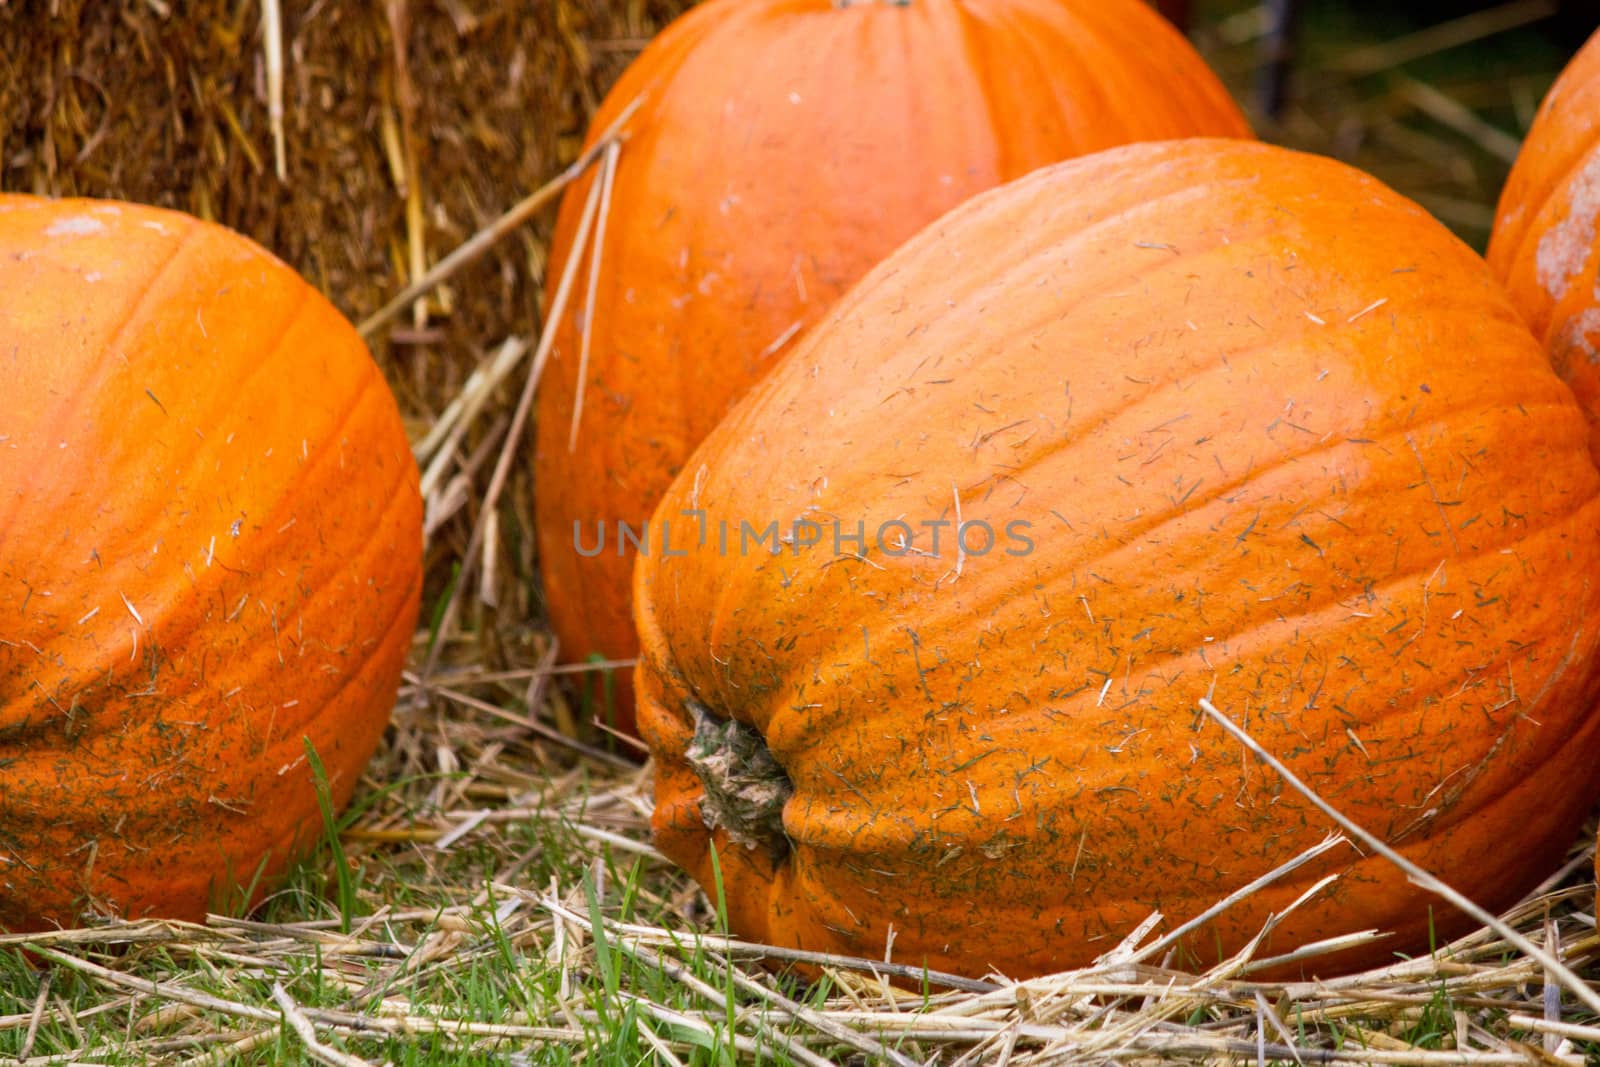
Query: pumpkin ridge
[179,631]
[362,656]
[1195,502]
[1072,45]
[404,620]
[286,750]
[1062,250]
[1329,595]
[1149,45]
[1240,643]
[1019,267]
[208,448]
[983,73]
[1527,708]
[1060,253]
[845,641]
[1448,815]
[812,854]
[31,732]
[186,239]
[1580,187]
[373,389]
[89,381]
[1358,868]
[289,735]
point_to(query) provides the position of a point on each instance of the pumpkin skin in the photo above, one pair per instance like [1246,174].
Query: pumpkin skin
[1281,440]
[210,550]
[1546,240]
[783,147]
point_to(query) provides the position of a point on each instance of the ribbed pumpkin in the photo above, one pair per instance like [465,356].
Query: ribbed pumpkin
[1546,240]
[781,147]
[1221,420]
[209,552]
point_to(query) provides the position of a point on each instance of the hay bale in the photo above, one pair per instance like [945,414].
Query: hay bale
[407,126]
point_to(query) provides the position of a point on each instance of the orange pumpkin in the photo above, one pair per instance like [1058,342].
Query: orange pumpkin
[1546,240]
[1219,420]
[210,551]
[780,149]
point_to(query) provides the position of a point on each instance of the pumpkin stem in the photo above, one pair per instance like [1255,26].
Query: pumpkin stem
[745,787]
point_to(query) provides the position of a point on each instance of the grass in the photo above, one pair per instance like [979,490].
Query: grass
[492,895]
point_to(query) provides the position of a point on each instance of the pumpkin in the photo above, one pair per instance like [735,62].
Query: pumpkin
[210,553]
[1192,419]
[1546,240]
[781,147]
